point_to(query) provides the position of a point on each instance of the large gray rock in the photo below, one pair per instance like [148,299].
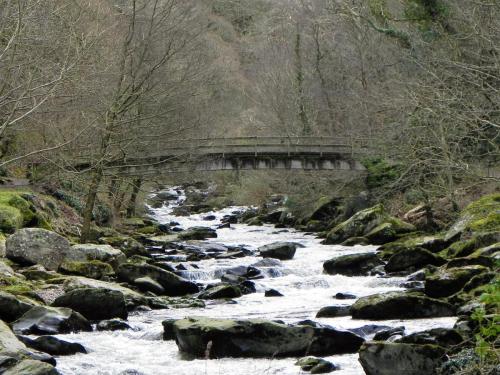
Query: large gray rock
[382,358]
[52,345]
[13,350]
[400,305]
[41,320]
[104,253]
[258,338]
[11,307]
[172,284]
[95,303]
[278,250]
[352,264]
[30,246]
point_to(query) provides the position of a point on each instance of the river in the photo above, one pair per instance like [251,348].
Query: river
[141,351]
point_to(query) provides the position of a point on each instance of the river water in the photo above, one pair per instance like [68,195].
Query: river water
[306,289]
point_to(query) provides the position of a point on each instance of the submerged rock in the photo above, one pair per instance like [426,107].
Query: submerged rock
[272,293]
[278,250]
[352,264]
[112,325]
[42,320]
[382,358]
[400,305]
[316,365]
[95,303]
[31,246]
[259,338]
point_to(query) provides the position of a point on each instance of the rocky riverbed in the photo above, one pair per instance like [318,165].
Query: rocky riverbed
[213,296]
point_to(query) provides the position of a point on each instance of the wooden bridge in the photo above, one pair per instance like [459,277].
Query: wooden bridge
[240,153]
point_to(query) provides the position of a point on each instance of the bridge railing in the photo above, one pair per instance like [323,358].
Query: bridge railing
[221,145]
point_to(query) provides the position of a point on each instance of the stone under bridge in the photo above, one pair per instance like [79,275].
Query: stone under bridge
[240,153]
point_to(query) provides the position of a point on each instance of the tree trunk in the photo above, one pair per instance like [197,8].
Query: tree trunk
[89,204]
[306,128]
[133,197]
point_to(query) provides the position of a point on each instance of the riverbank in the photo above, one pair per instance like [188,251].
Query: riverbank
[209,264]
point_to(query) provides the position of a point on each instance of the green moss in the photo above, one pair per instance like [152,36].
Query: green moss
[10,218]
[94,269]
[151,229]
[488,224]
[17,286]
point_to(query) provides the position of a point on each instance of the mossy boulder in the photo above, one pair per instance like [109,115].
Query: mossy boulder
[11,307]
[482,215]
[30,246]
[259,338]
[32,367]
[352,264]
[15,212]
[95,303]
[95,269]
[374,221]
[411,259]
[383,358]
[400,305]
[92,252]
[448,281]
[466,247]
[128,245]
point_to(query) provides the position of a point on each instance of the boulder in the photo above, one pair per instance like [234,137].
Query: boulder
[334,311]
[95,303]
[52,345]
[197,233]
[386,334]
[278,250]
[11,307]
[448,281]
[42,320]
[10,346]
[89,252]
[95,269]
[30,246]
[366,222]
[32,367]
[345,296]
[172,284]
[221,291]
[259,338]
[415,258]
[352,265]
[383,358]
[400,305]
[132,297]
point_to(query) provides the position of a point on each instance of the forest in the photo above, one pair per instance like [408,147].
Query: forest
[117,115]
